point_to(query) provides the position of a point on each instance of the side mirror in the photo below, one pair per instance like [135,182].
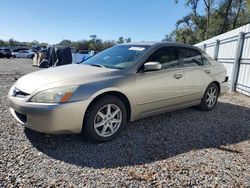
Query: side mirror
[152,66]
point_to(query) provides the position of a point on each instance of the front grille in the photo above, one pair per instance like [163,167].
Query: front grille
[19,93]
[22,117]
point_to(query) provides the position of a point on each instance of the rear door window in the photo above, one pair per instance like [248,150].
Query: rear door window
[191,57]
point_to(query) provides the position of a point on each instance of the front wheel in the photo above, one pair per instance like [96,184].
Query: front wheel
[210,98]
[105,119]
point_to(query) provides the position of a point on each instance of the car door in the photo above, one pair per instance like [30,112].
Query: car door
[160,90]
[20,54]
[25,54]
[196,75]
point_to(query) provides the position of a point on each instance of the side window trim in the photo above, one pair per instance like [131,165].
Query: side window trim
[182,58]
[178,50]
[176,53]
[203,55]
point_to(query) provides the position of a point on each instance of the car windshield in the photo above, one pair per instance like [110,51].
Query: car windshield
[117,57]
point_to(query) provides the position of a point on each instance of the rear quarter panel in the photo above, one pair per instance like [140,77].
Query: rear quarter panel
[219,74]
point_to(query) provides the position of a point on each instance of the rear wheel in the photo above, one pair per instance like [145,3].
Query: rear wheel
[105,119]
[210,98]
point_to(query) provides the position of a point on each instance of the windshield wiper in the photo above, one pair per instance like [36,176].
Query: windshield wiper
[103,66]
[97,65]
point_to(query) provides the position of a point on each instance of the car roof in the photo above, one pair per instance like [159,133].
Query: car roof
[162,44]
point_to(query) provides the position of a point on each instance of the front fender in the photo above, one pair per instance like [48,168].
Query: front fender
[123,85]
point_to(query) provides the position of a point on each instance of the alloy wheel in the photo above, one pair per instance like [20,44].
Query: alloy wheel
[108,120]
[211,97]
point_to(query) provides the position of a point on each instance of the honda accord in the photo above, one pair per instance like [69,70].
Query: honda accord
[124,83]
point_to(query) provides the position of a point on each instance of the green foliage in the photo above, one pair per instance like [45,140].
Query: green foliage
[94,43]
[65,43]
[220,16]
[81,45]
[121,40]
[13,43]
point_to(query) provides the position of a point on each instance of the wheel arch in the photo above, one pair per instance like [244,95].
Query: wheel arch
[217,84]
[117,94]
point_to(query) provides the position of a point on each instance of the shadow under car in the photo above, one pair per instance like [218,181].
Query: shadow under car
[152,139]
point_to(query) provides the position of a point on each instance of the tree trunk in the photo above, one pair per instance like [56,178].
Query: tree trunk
[223,29]
[237,14]
[208,7]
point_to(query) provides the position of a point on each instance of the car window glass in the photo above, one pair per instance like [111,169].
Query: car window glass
[118,57]
[166,56]
[191,57]
[205,60]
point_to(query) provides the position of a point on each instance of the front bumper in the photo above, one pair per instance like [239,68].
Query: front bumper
[49,118]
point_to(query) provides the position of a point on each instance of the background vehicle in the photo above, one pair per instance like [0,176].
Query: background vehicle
[82,56]
[124,83]
[18,49]
[24,54]
[5,52]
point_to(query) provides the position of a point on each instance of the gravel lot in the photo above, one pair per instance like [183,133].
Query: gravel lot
[186,148]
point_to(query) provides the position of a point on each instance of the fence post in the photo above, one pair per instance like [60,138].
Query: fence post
[216,49]
[204,47]
[236,65]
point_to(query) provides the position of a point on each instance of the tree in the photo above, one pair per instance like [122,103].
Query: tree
[237,14]
[34,42]
[93,37]
[108,44]
[128,40]
[65,43]
[248,4]
[170,37]
[2,43]
[221,16]
[228,5]
[193,4]
[208,7]
[43,44]
[12,42]
[80,45]
[94,43]
[120,40]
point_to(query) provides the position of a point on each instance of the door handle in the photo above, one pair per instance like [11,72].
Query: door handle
[178,76]
[207,71]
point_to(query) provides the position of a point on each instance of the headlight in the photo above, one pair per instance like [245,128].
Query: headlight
[55,95]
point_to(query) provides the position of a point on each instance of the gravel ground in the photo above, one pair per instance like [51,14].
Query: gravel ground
[187,148]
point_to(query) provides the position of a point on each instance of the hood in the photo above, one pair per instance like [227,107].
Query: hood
[77,73]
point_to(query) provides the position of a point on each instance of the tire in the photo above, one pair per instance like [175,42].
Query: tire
[102,126]
[210,98]
[8,56]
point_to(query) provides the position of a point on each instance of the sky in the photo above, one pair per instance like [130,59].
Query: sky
[54,20]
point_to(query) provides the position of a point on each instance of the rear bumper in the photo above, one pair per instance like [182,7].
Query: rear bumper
[224,88]
[49,118]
